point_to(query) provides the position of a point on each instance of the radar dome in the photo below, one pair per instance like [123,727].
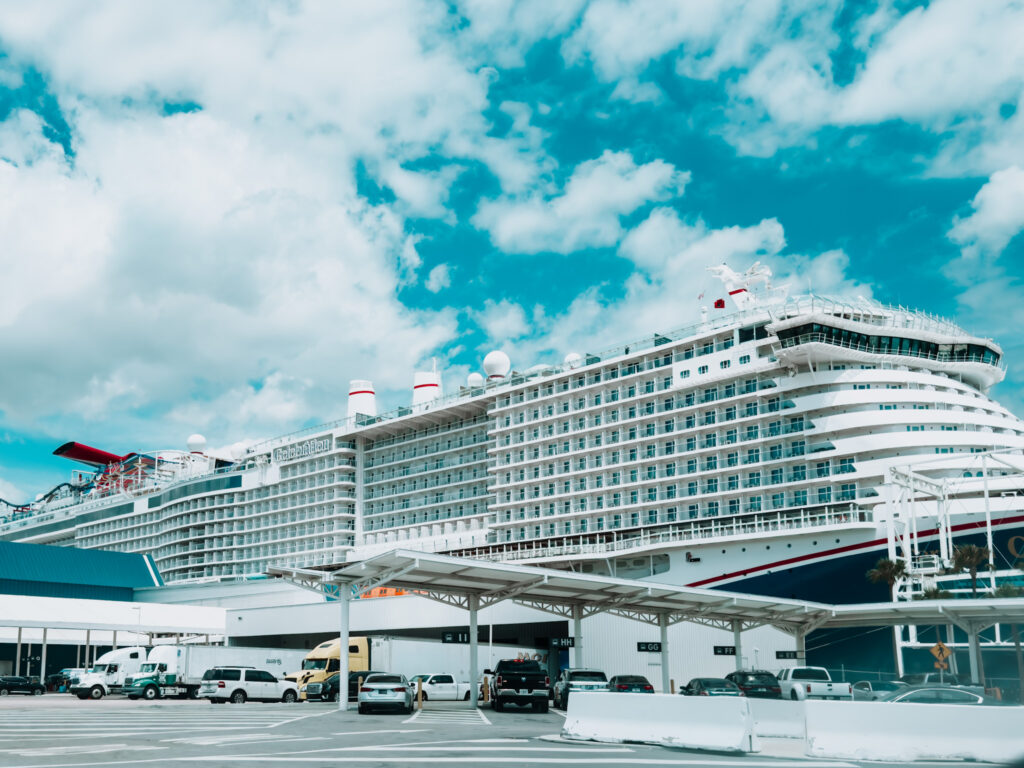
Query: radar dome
[497,365]
[474,380]
[196,443]
[573,359]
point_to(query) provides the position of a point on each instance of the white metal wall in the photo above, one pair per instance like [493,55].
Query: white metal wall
[609,644]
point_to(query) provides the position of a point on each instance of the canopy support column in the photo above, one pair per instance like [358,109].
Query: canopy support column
[343,630]
[17,656]
[42,666]
[474,650]
[737,640]
[663,627]
[577,633]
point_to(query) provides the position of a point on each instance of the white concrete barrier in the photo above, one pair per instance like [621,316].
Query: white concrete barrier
[696,722]
[871,730]
[778,718]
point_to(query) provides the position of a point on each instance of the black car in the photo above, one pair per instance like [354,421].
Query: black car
[711,686]
[14,684]
[353,682]
[630,684]
[756,683]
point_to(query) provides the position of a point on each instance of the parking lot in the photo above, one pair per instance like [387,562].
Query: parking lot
[61,731]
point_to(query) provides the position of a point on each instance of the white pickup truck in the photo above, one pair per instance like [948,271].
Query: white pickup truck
[799,683]
[441,688]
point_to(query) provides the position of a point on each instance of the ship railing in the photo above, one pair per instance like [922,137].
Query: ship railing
[696,531]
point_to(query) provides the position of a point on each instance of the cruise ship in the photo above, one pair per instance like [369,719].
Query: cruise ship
[751,450]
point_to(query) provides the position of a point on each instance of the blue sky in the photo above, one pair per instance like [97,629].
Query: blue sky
[213,215]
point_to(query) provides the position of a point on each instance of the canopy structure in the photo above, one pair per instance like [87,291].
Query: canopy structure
[473,584]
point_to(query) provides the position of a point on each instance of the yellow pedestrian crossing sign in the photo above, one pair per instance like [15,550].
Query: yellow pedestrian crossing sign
[941,651]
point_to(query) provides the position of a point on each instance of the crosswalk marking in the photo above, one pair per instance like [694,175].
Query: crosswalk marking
[448,717]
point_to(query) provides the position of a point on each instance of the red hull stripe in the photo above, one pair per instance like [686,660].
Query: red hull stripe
[362,392]
[738,290]
[421,386]
[839,550]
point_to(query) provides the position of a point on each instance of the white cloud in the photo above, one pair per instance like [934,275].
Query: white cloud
[998,215]
[502,321]
[10,492]
[439,278]
[662,296]
[587,213]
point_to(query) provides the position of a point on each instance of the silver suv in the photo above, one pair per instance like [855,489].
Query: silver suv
[241,684]
[577,680]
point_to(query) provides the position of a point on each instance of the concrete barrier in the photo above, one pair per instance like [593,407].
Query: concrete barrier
[721,724]
[778,718]
[869,730]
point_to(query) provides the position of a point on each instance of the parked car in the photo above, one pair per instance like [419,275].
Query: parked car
[940,694]
[354,678]
[385,691]
[872,690]
[15,684]
[756,683]
[241,684]
[440,688]
[630,684]
[577,680]
[711,686]
[935,678]
[520,682]
[799,683]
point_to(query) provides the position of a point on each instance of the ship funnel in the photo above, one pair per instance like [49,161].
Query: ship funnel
[426,386]
[362,400]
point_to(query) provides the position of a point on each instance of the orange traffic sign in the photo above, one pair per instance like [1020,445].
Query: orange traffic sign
[941,651]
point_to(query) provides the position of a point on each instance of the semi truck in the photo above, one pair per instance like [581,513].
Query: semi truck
[177,670]
[108,672]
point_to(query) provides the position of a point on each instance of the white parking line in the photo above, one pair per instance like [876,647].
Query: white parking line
[518,760]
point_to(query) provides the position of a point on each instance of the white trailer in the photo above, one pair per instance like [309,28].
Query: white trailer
[109,672]
[177,670]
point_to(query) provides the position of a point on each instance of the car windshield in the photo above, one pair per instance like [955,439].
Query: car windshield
[514,667]
[887,686]
[314,664]
[716,684]
[384,679]
[632,680]
[596,677]
[758,679]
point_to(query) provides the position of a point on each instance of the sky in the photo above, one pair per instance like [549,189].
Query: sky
[213,215]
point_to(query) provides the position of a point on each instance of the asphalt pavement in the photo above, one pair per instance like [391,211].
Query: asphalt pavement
[60,731]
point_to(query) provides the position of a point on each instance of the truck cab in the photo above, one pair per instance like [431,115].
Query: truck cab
[108,674]
[325,659]
[158,677]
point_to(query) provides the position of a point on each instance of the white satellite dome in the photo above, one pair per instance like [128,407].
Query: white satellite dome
[573,359]
[196,443]
[475,380]
[497,365]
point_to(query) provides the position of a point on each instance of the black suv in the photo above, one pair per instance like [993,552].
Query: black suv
[756,683]
[12,684]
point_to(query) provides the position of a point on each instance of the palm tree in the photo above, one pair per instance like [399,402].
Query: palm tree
[969,558]
[934,593]
[887,571]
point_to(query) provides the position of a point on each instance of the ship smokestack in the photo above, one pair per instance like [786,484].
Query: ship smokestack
[426,387]
[362,400]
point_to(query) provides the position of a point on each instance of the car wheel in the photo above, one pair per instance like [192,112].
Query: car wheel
[362,709]
[498,706]
[238,697]
[4,692]
[150,692]
[424,696]
[37,691]
[82,696]
[466,697]
[216,701]
[96,692]
[133,697]
[793,696]
[193,693]
[289,697]
[544,706]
